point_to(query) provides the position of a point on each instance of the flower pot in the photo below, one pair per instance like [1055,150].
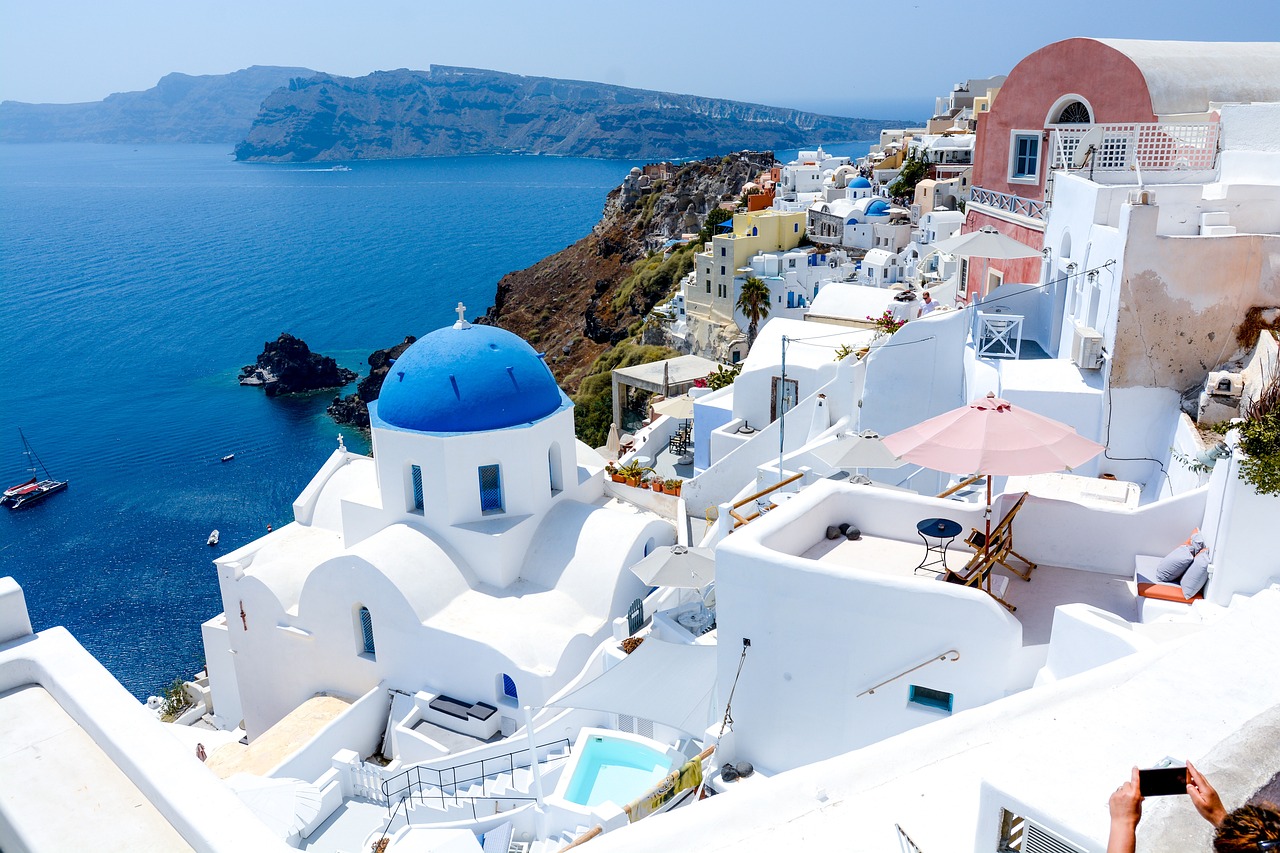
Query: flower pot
[633,481]
[657,487]
[618,478]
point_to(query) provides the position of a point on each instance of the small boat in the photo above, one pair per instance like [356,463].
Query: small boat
[228,457]
[35,489]
[213,538]
[340,169]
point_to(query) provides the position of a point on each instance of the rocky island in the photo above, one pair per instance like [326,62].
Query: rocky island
[180,108]
[288,366]
[453,111]
[353,409]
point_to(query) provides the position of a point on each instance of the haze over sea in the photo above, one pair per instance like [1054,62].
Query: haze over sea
[135,281]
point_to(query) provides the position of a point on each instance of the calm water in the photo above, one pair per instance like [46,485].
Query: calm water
[134,283]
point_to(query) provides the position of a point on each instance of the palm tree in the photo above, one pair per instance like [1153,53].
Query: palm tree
[753,302]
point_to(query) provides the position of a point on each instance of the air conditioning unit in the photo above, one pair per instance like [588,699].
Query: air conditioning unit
[1086,348]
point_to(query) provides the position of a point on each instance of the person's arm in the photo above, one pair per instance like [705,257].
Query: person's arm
[1204,797]
[1126,810]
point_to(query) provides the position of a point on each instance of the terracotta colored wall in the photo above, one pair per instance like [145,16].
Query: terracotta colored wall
[760,200]
[1111,84]
[1023,271]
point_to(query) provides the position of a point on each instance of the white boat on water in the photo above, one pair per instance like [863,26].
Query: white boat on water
[213,538]
[35,489]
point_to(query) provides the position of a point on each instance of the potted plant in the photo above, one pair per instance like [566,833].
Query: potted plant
[612,471]
[672,486]
[632,473]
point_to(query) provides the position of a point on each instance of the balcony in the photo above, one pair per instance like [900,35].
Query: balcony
[1007,203]
[1120,147]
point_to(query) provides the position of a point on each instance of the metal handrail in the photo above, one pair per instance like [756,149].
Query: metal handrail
[413,775]
[740,519]
[933,659]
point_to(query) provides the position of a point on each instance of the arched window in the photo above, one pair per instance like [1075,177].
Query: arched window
[554,472]
[366,631]
[1074,113]
[509,688]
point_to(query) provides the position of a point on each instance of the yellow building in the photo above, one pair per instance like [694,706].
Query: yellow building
[714,293]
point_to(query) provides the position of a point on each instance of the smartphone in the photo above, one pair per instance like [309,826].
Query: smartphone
[1162,781]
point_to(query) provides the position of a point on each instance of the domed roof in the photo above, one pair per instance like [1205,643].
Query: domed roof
[467,378]
[860,183]
[879,207]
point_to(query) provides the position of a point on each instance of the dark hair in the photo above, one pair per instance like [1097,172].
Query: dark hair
[1249,828]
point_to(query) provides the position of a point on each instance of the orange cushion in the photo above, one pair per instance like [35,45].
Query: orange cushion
[1166,592]
[1189,538]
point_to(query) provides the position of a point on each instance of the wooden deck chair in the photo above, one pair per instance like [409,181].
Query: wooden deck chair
[977,574]
[1001,547]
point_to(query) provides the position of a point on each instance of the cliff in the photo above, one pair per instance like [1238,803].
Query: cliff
[180,108]
[288,366]
[452,111]
[581,301]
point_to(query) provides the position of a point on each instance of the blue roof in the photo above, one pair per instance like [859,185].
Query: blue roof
[879,207]
[467,380]
[728,223]
[860,183]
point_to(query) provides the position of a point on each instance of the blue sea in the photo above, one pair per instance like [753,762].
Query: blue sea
[135,281]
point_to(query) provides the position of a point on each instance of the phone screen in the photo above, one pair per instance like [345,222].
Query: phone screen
[1163,781]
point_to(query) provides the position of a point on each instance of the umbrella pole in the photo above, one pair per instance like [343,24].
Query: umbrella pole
[986,539]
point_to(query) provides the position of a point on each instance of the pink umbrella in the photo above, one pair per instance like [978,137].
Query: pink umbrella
[991,436]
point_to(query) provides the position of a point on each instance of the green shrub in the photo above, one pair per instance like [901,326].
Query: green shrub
[1260,440]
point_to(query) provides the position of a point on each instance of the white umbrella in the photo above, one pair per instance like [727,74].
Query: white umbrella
[986,243]
[612,442]
[850,450]
[677,566]
[680,408]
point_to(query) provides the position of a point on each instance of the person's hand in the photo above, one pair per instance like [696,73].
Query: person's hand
[1204,797]
[1126,810]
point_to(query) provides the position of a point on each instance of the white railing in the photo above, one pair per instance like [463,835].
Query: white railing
[1153,147]
[1016,204]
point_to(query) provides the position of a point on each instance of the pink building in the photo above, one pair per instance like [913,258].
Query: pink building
[1151,103]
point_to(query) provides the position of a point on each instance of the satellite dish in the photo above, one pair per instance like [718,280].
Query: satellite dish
[1089,142]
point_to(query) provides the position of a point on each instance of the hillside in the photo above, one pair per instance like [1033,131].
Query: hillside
[582,300]
[452,111]
[180,108]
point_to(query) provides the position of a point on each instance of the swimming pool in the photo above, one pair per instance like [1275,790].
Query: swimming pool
[614,767]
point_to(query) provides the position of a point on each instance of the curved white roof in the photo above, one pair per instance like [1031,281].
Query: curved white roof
[1186,76]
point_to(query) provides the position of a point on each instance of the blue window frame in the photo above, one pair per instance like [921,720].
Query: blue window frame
[416,472]
[930,698]
[366,630]
[509,688]
[1026,156]
[490,489]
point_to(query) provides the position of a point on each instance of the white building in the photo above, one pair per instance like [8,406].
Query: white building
[472,556]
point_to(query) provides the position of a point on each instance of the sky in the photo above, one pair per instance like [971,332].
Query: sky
[842,57]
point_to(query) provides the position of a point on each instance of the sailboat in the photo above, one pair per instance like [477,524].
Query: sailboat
[35,489]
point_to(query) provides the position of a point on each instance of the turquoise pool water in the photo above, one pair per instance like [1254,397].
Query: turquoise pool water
[615,770]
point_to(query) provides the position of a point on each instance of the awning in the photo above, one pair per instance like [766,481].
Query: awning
[668,683]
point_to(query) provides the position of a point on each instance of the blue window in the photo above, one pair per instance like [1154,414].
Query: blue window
[509,688]
[1026,156]
[416,472]
[722,269]
[366,630]
[722,251]
[930,698]
[795,228]
[490,489]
